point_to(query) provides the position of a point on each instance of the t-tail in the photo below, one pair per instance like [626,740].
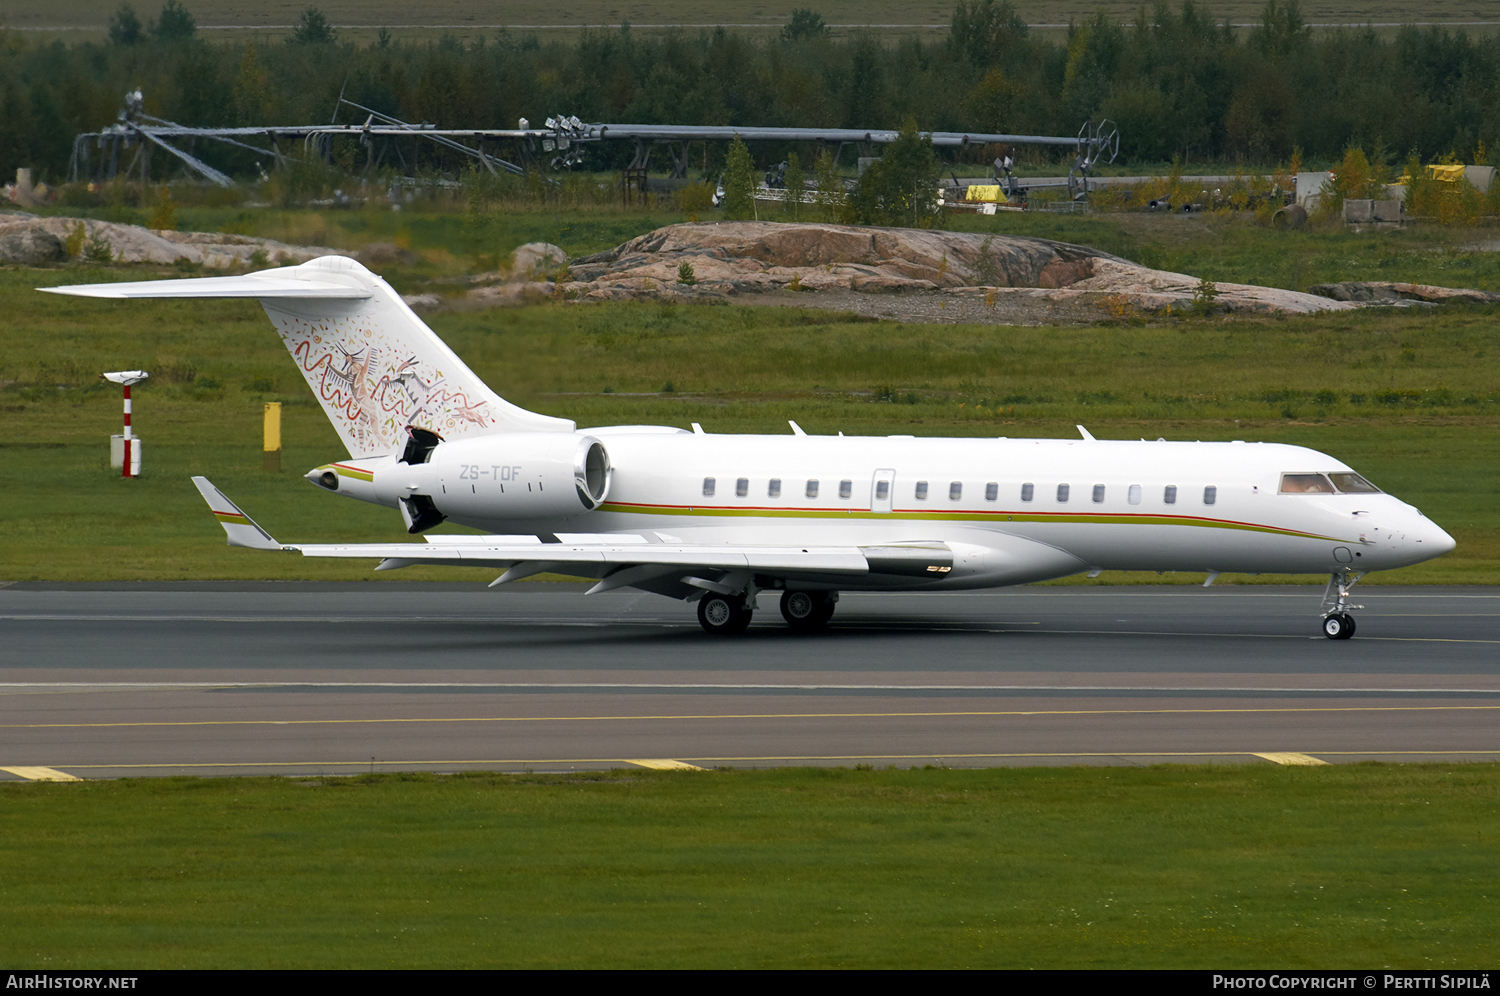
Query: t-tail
[374,366]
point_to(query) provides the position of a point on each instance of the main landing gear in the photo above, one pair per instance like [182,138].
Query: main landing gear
[723,615]
[808,610]
[1338,624]
[804,611]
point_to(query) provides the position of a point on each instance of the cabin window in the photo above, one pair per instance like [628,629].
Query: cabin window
[991,491]
[1062,494]
[1134,494]
[1169,494]
[921,491]
[708,487]
[1306,484]
[1351,483]
[1210,495]
[1098,494]
[742,487]
[882,490]
[812,488]
[955,490]
[846,488]
[1028,491]
[774,488]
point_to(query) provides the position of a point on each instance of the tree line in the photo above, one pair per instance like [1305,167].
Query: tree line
[1178,82]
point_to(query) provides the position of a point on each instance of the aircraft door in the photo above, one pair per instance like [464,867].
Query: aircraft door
[882,490]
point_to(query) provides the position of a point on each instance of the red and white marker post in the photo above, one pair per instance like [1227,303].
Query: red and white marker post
[131,465]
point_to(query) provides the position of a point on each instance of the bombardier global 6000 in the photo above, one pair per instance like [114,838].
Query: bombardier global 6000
[730,520]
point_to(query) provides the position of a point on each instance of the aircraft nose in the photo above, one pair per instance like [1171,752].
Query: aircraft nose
[1429,538]
[1441,542]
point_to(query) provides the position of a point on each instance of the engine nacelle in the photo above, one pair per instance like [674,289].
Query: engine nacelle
[524,475]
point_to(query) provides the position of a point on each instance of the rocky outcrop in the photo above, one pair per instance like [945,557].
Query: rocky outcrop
[748,257]
[735,258]
[24,239]
[1390,293]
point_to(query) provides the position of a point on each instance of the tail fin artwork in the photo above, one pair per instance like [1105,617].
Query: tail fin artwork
[375,367]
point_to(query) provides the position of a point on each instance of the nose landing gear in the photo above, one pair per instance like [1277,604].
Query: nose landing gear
[1338,627]
[1338,624]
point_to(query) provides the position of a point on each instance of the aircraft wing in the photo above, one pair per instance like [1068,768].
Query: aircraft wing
[617,559]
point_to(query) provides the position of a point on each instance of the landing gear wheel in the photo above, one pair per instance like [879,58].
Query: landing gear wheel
[723,615]
[805,610]
[800,609]
[1339,626]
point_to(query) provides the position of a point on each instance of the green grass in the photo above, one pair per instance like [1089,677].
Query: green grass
[1175,867]
[1409,398]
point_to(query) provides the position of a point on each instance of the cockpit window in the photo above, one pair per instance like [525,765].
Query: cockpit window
[1351,483]
[1306,484]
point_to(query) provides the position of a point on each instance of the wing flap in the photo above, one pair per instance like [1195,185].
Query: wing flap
[841,560]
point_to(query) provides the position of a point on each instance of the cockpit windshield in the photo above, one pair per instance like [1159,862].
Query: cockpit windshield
[1350,483]
[1339,482]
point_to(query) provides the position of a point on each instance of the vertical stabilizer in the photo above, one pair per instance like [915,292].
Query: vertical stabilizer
[374,366]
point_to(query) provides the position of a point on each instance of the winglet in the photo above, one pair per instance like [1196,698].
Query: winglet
[242,530]
[1086,434]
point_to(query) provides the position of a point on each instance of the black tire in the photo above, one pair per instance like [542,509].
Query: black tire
[805,610]
[826,612]
[1338,626]
[722,615]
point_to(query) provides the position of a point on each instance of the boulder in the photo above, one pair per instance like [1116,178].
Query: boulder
[537,259]
[30,245]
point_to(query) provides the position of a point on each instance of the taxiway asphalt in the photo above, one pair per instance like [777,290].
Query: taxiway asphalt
[118,680]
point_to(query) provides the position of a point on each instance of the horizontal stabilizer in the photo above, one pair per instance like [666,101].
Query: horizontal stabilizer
[241,529]
[261,286]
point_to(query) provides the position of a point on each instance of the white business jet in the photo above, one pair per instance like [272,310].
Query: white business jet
[726,519]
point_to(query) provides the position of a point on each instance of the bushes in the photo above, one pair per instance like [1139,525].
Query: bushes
[739,183]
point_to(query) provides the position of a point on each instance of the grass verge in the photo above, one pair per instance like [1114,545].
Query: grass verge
[1172,867]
